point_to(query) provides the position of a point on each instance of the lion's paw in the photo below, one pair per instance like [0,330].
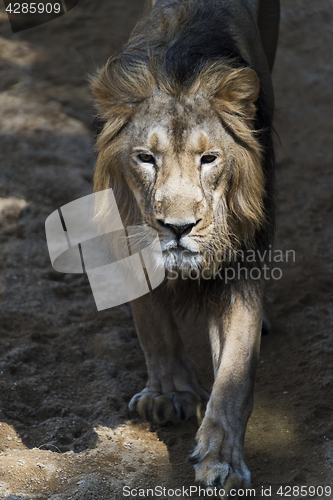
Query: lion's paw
[165,408]
[220,475]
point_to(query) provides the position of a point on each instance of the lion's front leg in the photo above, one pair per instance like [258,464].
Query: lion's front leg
[172,392]
[219,453]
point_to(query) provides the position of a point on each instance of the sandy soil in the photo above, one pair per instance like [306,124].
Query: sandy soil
[67,372]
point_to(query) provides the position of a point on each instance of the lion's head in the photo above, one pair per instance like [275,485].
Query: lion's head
[183,159]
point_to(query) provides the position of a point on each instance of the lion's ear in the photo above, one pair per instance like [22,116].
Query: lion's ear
[120,86]
[239,91]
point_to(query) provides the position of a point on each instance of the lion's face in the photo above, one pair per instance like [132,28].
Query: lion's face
[178,162]
[185,163]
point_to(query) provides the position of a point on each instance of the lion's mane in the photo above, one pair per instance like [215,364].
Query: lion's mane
[181,51]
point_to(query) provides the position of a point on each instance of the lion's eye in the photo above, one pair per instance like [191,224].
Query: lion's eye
[146,158]
[208,158]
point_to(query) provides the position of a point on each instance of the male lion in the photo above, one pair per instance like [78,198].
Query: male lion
[187,107]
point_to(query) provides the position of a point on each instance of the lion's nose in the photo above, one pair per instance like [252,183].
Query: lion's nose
[180,229]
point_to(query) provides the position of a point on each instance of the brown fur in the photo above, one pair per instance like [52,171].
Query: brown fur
[193,83]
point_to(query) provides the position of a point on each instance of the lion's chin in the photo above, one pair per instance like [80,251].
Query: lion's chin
[181,259]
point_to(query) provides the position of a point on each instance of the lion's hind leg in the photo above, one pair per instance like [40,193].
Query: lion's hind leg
[266,324]
[172,393]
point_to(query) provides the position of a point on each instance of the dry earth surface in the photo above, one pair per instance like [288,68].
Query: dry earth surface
[67,372]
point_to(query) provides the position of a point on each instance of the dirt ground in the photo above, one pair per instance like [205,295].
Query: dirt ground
[67,372]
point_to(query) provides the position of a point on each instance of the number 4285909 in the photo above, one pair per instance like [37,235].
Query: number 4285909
[33,8]
[304,491]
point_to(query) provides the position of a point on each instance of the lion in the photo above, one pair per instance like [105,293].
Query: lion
[187,148]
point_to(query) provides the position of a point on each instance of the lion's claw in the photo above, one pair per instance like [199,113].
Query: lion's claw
[214,473]
[235,483]
[165,408]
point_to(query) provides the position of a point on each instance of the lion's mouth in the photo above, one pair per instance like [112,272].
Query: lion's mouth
[179,250]
[179,245]
[175,246]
